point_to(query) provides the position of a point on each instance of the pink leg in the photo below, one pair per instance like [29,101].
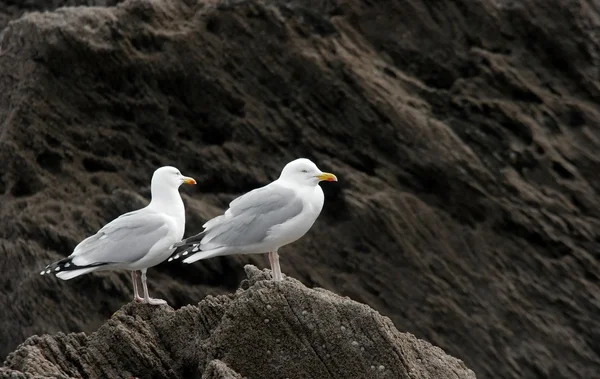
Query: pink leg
[147,298]
[270,254]
[275,267]
[136,294]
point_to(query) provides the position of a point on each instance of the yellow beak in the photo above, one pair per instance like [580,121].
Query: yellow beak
[327,177]
[188,180]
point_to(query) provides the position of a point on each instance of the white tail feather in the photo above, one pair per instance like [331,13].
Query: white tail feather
[204,255]
[66,275]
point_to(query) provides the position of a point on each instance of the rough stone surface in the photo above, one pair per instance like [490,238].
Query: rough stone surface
[464,134]
[216,369]
[268,330]
[13,9]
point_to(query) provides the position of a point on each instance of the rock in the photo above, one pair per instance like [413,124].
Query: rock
[10,9]
[269,330]
[216,369]
[464,135]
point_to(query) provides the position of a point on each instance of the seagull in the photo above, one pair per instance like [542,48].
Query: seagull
[264,219]
[136,240]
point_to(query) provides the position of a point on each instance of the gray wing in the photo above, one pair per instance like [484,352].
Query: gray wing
[126,239]
[251,216]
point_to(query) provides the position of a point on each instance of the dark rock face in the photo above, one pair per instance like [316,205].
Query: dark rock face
[463,134]
[268,330]
[12,9]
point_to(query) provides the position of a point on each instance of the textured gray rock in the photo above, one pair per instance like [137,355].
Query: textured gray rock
[265,330]
[216,369]
[11,9]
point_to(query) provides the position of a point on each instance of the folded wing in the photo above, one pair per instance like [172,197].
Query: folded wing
[250,217]
[247,221]
[126,239]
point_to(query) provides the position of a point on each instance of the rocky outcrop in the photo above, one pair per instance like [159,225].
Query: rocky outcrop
[265,330]
[464,134]
[11,9]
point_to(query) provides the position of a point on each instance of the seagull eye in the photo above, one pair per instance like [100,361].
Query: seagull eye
[304,170]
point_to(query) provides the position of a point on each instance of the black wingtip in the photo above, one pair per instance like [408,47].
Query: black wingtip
[183,252]
[62,265]
[193,240]
[65,264]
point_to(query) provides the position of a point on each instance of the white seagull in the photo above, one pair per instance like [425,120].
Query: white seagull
[136,240]
[264,219]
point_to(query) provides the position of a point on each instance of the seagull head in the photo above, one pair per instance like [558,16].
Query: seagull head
[304,171]
[169,177]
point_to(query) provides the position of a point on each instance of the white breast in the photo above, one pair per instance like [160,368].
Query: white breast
[175,222]
[297,227]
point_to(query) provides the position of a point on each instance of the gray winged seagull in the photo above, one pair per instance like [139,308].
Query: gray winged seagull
[264,219]
[136,240]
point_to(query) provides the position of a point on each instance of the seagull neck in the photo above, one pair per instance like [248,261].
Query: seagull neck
[167,200]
